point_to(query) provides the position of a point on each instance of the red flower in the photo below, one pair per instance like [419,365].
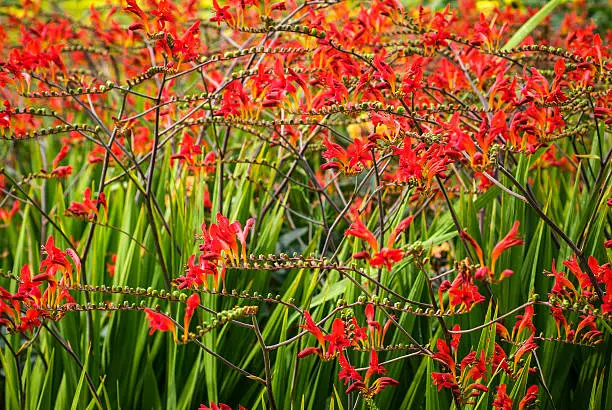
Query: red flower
[221,14]
[188,151]
[159,321]
[419,164]
[478,366]
[526,347]
[220,239]
[484,272]
[384,72]
[359,230]
[444,380]
[89,207]
[349,161]
[193,302]
[337,338]
[219,406]
[561,282]
[587,322]
[455,337]
[313,329]
[560,319]
[31,319]
[386,256]
[60,156]
[467,237]
[28,289]
[502,400]
[196,274]
[7,216]
[133,8]
[413,78]
[530,397]
[444,355]
[377,386]
[5,116]
[347,372]
[56,261]
[526,322]
[500,360]
[374,367]
[187,46]
[463,292]
[511,239]
[236,102]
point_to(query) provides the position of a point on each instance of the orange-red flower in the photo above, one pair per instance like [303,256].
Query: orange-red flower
[502,400]
[193,302]
[386,256]
[161,322]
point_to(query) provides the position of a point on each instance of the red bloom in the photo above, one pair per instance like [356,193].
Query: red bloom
[188,151]
[511,239]
[196,274]
[187,46]
[384,72]
[358,333]
[444,355]
[374,367]
[526,322]
[219,406]
[28,289]
[347,372]
[133,7]
[467,237]
[60,156]
[159,321]
[463,292]
[359,230]
[560,319]
[337,338]
[349,161]
[236,102]
[7,216]
[377,386]
[222,14]
[386,256]
[561,282]
[56,261]
[89,207]
[193,302]
[313,328]
[478,368]
[310,350]
[419,164]
[455,337]
[62,171]
[502,400]
[526,347]
[530,397]
[500,360]
[444,380]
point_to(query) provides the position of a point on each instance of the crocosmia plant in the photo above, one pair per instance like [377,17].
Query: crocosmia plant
[305,204]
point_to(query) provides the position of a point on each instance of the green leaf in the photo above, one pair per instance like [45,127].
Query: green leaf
[530,25]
